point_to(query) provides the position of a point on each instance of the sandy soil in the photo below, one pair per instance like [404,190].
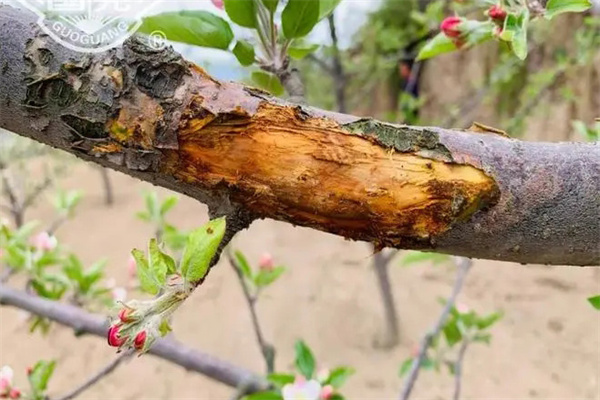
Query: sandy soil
[546,347]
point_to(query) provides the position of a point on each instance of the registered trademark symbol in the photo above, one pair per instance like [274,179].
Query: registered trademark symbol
[157,40]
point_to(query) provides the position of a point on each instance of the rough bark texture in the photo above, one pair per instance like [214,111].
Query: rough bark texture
[153,115]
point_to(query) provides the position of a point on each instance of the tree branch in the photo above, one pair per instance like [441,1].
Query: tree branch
[106,370]
[267,350]
[458,368]
[338,74]
[167,349]
[463,266]
[166,121]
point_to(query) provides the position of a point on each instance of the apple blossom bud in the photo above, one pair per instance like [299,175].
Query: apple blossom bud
[462,308]
[451,27]
[327,392]
[131,267]
[29,370]
[266,262]
[14,393]
[497,13]
[323,375]
[140,340]
[113,336]
[125,315]
[218,3]
[43,241]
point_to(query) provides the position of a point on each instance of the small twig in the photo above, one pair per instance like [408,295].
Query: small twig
[322,64]
[108,189]
[267,350]
[339,75]
[6,274]
[464,265]
[15,205]
[105,371]
[36,192]
[380,265]
[57,223]
[458,368]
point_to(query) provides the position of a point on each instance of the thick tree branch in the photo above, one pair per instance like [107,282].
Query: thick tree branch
[155,116]
[167,349]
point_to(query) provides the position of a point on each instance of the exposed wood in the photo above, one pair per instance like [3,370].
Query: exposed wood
[155,116]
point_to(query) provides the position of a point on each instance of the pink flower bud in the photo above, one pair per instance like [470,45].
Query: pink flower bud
[114,339]
[140,340]
[414,351]
[14,393]
[497,13]
[29,370]
[43,241]
[451,27]
[4,385]
[218,3]
[125,315]
[462,308]
[327,392]
[266,262]
[131,267]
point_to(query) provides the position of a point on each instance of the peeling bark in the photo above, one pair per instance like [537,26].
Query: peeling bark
[153,115]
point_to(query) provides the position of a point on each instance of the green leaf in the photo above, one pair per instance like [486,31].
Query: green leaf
[73,269]
[515,32]
[305,361]
[271,5]
[416,257]
[452,333]
[160,263]
[40,375]
[164,328]
[201,247]
[270,395]
[482,337]
[280,380]
[268,82]
[242,264]
[595,302]
[299,17]
[242,12]
[151,199]
[487,321]
[339,376]
[244,52]
[326,7]
[25,232]
[148,281]
[300,50]
[405,367]
[428,364]
[439,44]
[556,7]
[266,277]
[168,205]
[195,27]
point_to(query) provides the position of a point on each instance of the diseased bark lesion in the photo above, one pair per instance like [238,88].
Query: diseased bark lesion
[153,115]
[281,163]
